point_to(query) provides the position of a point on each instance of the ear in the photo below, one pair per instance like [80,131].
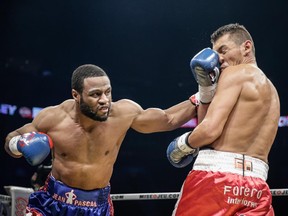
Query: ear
[75,95]
[247,47]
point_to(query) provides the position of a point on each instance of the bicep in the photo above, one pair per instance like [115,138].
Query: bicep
[34,126]
[150,120]
[38,124]
[30,127]
[24,129]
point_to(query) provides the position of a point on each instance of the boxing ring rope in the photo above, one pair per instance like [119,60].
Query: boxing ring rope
[173,195]
[159,196]
[17,198]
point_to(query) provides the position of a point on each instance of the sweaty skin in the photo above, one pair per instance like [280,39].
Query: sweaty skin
[244,113]
[85,150]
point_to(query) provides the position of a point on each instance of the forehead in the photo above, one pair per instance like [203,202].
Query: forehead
[223,41]
[93,83]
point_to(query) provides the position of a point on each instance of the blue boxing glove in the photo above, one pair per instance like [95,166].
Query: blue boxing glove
[34,146]
[205,68]
[179,153]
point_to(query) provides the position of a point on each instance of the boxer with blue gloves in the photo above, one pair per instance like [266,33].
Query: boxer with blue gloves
[179,153]
[205,68]
[231,168]
[87,132]
[34,146]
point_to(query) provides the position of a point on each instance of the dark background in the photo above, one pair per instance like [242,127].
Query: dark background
[145,46]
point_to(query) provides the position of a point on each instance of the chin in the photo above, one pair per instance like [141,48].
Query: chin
[103,119]
[100,118]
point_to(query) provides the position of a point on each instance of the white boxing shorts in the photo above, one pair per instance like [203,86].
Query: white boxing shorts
[224,183]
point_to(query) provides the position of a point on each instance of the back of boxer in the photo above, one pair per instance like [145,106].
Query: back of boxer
[235,136]
[87,132]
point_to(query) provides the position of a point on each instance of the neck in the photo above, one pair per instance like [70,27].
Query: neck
[82,120]
[249,60]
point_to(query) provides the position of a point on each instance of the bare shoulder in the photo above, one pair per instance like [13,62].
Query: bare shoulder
[52,115]
[126,106]
[65,106]
[240,73]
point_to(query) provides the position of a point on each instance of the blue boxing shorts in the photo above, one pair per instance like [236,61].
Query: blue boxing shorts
[56,198]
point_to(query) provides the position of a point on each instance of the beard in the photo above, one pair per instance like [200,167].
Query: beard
[88,111]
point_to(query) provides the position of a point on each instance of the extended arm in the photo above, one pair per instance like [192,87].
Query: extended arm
[157,120]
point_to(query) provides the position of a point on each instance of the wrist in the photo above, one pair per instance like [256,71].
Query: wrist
[183,144]
[207,93]
[13,145]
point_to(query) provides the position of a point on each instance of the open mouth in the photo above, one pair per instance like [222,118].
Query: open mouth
[104,109]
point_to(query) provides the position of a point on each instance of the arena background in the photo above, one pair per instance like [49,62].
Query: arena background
[145,46]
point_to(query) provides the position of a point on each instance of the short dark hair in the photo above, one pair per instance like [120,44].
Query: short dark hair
[238,33]
[83,72]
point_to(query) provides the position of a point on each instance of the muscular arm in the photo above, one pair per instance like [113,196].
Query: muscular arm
[26,128]
[201,112]
[37,125]
[228,91]
[157,120]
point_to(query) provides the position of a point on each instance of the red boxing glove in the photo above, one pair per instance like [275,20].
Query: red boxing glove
[195,99]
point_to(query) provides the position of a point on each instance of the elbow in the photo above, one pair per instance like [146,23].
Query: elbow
[211,132]
[211,136]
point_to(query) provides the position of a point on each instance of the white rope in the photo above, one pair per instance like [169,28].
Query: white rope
[157,196]
[145,196]
[173,195]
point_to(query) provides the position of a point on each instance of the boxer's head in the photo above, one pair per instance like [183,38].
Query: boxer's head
[91,89]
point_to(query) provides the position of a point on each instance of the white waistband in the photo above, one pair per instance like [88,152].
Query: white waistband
[219,161]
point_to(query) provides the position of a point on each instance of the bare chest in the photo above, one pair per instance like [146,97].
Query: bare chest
[73,142]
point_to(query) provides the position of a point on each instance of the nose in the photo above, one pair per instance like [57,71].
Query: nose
[221,59]
[103,99]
